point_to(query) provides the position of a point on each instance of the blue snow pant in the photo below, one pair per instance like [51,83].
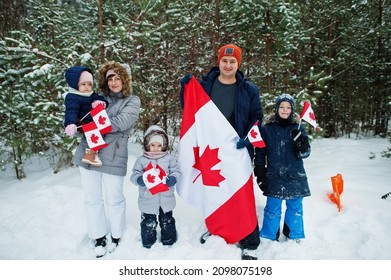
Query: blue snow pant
[293,220]
[148,228]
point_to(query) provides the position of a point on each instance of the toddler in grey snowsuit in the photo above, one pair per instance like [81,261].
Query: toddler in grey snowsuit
[156,202]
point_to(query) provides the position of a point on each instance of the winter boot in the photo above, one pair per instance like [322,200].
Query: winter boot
[168,229]
[92,158]
[100,247]
[148,229]
[113,245]
[249,254]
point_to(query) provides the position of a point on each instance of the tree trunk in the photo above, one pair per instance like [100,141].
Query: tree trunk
[217,43]
[101,46]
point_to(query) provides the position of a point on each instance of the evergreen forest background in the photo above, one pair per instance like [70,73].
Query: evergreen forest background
[334,53]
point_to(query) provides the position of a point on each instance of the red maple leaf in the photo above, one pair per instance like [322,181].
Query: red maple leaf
[94,138]
[162,173]
[253,133]
[205,163]
[312,116]
[151,178]
[102,120]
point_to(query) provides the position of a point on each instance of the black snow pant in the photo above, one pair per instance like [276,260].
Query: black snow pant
[148,228]
[251,241]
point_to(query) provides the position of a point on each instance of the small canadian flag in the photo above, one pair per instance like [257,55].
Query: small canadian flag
[93,136]
[308,115]
[162,173]
[155,178]
[254,136]
[100,117]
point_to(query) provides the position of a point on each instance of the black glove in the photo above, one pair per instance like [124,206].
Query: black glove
[260,173]
[185,79]
[171,181]
[297,136]
[242,143]
[140,181]
[301,141]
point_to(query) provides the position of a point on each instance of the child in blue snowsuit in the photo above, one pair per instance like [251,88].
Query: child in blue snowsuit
[79,101]
[281,171]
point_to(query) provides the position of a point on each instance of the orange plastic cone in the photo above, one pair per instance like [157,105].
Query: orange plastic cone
[337,183]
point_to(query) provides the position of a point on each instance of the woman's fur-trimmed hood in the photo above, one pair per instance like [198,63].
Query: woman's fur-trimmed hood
[121,70]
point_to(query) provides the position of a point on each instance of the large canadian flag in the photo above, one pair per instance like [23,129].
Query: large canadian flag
[155,179]
[255,138]
[100,117]
[216,176]
[308,115]
[93,136]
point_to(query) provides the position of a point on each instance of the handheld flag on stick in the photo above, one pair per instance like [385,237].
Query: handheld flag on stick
[308,115]
[254,135]
[100,117]
[154,179]
[337,183]
[93,130]
[93,136]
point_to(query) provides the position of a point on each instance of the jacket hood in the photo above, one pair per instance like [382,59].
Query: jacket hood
[155,130]
[72,75]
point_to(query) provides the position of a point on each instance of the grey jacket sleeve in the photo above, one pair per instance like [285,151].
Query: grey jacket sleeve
[128,116]
[137,171]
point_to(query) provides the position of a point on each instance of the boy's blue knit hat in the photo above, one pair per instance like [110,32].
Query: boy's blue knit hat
[72,75]
[285,97]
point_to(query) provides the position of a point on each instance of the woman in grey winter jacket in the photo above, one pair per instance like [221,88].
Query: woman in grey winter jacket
[283,175]
[123,112]
[161,203]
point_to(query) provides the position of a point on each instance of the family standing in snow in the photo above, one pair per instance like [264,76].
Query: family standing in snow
[279,168]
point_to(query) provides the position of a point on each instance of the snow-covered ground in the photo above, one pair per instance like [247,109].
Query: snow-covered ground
[41,218]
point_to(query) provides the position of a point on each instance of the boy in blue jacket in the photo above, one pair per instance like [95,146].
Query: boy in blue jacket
[280,171]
